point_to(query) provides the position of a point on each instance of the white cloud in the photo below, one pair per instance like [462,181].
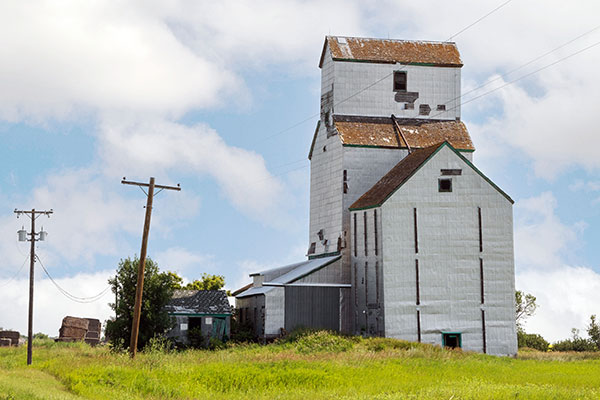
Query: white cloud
[187,264]
[159,145]
[567,295]
[50,306]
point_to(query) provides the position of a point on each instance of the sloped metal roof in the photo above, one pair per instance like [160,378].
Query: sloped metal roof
[199,302]
[403,171]
[419,133]
[392,51]
[289,274]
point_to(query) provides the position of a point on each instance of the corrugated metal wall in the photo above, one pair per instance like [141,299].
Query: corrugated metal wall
[312,307]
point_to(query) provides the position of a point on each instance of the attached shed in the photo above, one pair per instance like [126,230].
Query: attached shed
[207,310]
[309,294]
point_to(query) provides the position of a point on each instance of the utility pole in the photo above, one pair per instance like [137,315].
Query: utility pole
[140,281]
[33,215]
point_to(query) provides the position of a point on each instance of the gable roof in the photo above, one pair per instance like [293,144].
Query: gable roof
[403,171]
[199,302]
[289,273]
[392,51]
[419,133]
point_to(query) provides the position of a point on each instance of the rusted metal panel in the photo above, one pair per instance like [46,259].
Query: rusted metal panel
[419,133]
[443,54]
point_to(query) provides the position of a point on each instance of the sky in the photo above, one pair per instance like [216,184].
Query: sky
[223,98]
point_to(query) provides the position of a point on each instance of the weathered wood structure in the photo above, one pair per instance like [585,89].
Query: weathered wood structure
[207,312]
[418,241]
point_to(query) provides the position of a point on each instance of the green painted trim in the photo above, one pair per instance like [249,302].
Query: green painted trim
[333,253]
[457,152]
[314,140]
[394,62]
[452,333]
[198,314]
[502,192]
[393,147]
[321,267]
[410,176]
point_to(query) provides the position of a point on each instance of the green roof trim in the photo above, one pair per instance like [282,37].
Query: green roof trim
[394,62]
[333,253]
[457,152]
[198,314]
[393,147]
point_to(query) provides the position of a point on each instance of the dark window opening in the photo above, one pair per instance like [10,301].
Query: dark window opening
[324,148]
[312,248]
[441,107]
[445,185]
[424,109]
[409,106]
[400,81]
[456,171]
[452,340]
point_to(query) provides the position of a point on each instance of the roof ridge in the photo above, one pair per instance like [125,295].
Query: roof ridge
[392,40]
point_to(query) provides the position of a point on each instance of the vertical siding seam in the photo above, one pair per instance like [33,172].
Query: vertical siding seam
[419,326]
[417,282]
[480,230]
[481,280]
[365,233]
[355,240]
[375,230]
[416,232]
[483,331]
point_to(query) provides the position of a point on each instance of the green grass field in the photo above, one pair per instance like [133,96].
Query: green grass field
[317,366]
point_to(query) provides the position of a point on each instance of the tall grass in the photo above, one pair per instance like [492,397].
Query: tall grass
[310,365]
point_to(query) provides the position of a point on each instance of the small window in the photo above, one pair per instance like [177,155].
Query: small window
[441,107]
[424,109]
[451,171]
[312,248]
[445,185]
[208,320]
[409,106]
[183,327]
[399,81]
[452,340]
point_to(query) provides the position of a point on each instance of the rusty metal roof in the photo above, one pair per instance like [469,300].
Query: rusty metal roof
[392,51]
[404,170]
[419,133]
[394,178]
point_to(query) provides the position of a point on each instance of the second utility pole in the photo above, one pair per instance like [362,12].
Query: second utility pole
[137,311]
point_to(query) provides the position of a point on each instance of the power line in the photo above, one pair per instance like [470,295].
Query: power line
[18,272]
[518,79]
[480,19]
[522,65]
[309,118]
[70,296]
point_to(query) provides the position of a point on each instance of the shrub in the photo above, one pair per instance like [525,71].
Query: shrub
[575,344]
[532,340]
[195,337]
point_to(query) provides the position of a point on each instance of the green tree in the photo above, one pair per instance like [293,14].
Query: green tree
[208,282]
[154,320]
[593,331]
[525,307]
[532,341]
